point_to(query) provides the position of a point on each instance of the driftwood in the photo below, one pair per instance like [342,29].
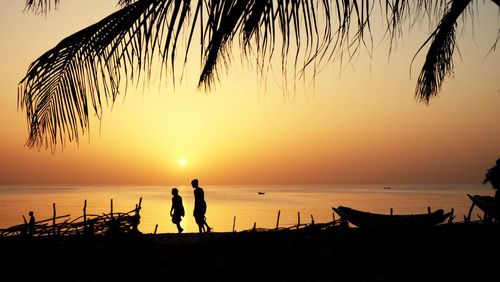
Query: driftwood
[299,226]
[113,223]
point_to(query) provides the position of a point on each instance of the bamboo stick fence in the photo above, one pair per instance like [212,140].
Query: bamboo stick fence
[112,223]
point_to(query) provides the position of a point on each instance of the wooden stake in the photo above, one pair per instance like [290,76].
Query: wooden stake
[298,220]
[278,221]
[470,212]
[254,226]
[312,220]
[429,210]
[391,211]
[156,229]
[140,202]
[85,214]
[54,218]
[450,219]
[234,223]
[111,208]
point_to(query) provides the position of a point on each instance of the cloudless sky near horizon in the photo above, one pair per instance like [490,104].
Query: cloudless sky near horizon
[359,125]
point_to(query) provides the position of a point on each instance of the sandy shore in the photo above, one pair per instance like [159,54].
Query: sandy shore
[455,252]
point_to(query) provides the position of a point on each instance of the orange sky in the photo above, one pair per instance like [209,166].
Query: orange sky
[360,126]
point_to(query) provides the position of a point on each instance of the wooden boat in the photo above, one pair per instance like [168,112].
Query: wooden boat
[486,204]
[370,220]
[261,193]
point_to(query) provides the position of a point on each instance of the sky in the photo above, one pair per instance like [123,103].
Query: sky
[359,124]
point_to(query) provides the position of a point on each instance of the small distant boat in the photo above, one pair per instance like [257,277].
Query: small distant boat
[261,193]
[387,187]
[369,220]
[486,204]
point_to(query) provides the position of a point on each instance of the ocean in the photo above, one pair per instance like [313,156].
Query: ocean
[225,202]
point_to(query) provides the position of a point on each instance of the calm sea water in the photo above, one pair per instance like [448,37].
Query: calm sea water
[225,202]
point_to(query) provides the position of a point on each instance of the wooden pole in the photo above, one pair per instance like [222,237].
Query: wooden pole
[24,218]
[298,220]
[234,223]
[429,210]
[140,202]
[85,214]
[111,208]
[254,226]
[312,220]
[54,218]
[156,229]
[278,221]
[391,211]
[452,216]
[470,212]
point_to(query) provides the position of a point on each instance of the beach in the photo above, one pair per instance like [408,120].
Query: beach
[447,252]
[456,252]
[225,202]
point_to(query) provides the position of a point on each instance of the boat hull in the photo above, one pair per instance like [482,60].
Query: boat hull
[486,204]
[373,220]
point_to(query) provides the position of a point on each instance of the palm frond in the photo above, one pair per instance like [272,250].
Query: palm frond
[85,69]
[439,60]
[399,12]
[125,3]
[45,6]
[41,6]
[85,66]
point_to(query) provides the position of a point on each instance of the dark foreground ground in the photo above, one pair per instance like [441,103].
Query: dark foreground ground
[446,253]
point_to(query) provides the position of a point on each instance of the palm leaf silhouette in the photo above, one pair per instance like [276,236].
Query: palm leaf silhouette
[439,60]
[86,69]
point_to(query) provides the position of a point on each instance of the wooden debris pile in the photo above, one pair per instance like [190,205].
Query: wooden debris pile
[113,223]
[335,223]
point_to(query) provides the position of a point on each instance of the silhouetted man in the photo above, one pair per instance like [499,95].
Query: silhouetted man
[31,224]
[200,207]
[177,210]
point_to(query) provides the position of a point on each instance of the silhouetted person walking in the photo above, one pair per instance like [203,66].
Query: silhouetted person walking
[493,176]
[31,224]
[177,210]
[200,207]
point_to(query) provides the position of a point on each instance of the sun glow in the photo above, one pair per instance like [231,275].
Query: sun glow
[182,162]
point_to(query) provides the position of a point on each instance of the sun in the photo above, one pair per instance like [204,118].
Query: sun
[182,162]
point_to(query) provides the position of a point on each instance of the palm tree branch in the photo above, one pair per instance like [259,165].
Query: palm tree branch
[58,84]
[41,6]
[439,60]
[90,64]
[45,6]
